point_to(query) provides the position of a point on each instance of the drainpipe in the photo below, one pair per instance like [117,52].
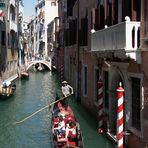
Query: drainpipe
[18,50]
[78,55]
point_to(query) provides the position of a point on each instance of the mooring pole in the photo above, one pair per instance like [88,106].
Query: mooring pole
[100,102]
[120,91]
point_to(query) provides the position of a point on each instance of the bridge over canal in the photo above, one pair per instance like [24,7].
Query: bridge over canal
[33,62]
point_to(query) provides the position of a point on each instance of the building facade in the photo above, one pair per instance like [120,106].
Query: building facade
[46,11]
[107,39]
[30,40]
[9,23]
[53,41]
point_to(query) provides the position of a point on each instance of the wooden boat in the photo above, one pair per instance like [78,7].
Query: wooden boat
[69,138]
[7,90]
[24,75]
[39,67]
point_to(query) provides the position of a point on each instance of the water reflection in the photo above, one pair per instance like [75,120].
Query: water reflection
[30,96]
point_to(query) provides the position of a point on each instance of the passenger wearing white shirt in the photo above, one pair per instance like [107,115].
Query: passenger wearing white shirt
[61,126]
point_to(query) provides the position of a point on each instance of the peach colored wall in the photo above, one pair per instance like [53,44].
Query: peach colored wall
[134,67]
[85,6]
[89,101]
[87,58]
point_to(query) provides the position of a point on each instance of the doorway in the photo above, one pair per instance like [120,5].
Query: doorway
[115,79]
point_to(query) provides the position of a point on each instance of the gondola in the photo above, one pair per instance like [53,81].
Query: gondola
[24,75]
[7,91]
[67,138]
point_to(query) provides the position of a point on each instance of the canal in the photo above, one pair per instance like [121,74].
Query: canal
[30,96]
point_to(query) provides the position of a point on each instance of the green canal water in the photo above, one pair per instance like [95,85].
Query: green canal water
[30,96]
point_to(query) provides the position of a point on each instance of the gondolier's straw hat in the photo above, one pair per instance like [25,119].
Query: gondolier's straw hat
[64,82]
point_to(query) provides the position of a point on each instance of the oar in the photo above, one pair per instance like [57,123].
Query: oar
[50,105]
[18,122]
[70,146]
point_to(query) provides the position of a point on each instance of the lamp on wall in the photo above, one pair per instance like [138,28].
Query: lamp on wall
[107,63]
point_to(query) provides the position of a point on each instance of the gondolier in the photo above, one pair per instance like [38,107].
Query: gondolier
[66,90]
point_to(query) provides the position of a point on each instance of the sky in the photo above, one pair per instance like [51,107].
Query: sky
[29,8]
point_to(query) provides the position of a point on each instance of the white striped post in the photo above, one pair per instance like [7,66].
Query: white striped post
[120,91]
[100,101]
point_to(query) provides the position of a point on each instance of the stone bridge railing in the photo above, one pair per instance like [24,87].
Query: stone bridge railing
[44,62]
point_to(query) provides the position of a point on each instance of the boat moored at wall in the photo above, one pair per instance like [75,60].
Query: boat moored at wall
[7,90]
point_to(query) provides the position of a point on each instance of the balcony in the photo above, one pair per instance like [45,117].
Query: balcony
[117,38]
[12,2]
[13,26]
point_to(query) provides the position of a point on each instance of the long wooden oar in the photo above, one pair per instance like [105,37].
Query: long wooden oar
[50,105]
[18,122]
[70,146]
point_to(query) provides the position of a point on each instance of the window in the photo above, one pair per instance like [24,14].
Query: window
[12,13]
[13,39]
[3,38]
[105,75]
[53,3]
[8,39]
[136,103]
[85,80]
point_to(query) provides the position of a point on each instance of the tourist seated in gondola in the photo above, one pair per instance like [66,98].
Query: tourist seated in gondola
[64,113]
[57,112]
[55,121]
[71,132]
[61,127]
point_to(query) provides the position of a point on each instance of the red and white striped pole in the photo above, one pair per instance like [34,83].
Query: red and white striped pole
[100,101]
[62,72]
[120,91]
